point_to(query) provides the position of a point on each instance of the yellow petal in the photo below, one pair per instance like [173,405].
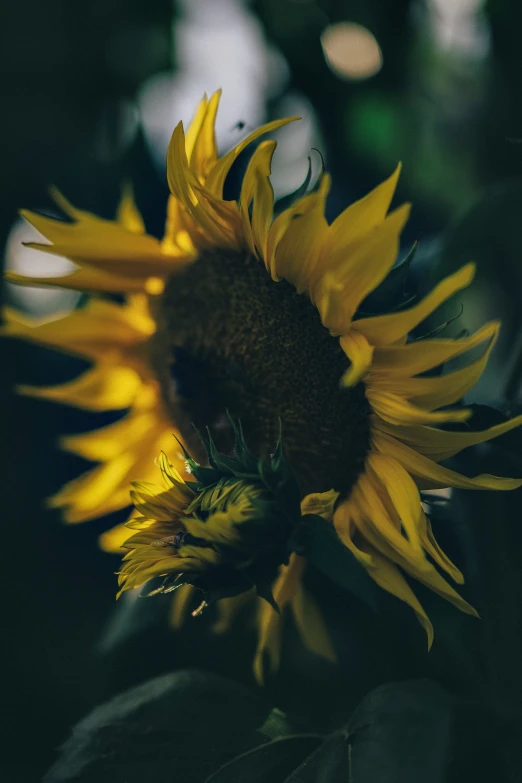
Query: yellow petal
[103,244]
[402,493]
[433,549]
[112,540]
[217,176]
[397,411]
[441,444]
[106,488]
[441,390]
[99,389]
[346,529]
[85,332]
[85,279]
[360,353]
[368,495]
[257,192]
[311,626]
[185,187]
[388,576]
[423,355]
[321,504]
[128,214]
[270,622]
[427,575]
[202,152]
[359,272]
[387,329]
[108,442]
[182,598]
[95,487]
[228,608]
[297,238]
[363,216]
[435,476]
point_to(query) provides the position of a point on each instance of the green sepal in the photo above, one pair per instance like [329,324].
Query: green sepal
[287,201]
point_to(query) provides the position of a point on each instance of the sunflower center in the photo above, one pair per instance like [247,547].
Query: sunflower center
[231,339]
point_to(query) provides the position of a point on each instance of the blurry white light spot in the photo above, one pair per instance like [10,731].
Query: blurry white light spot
[351,51]
[23,260]
[295,143]
[217,44]
[460,26]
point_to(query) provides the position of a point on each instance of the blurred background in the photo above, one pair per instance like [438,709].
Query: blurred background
[90,96]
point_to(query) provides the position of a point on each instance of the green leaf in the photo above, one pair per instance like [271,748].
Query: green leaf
[401,732]
[276,725]
[316,539]
[329,764]
[268,763]
[180,727]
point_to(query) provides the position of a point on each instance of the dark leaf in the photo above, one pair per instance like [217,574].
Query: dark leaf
[484,416]
[270,763]
[329,764]
[391,293]
[400,733]
[316,539]
[276,725]
[180,727]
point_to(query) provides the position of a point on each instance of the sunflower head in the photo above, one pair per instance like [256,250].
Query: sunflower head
[224,533]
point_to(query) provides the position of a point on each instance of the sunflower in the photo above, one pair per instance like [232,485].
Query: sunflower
[245,310]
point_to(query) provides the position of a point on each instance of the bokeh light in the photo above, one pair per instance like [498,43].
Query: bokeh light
[351,51]
[36,301]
